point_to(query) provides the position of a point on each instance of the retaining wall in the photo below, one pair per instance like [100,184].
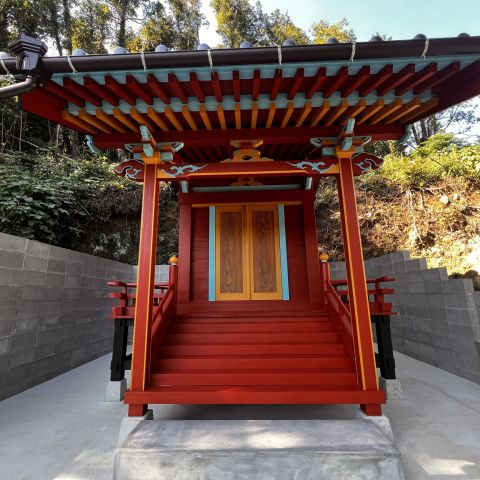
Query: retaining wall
[438,321]
[54,308]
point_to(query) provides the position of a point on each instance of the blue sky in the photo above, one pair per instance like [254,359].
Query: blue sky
[401,19]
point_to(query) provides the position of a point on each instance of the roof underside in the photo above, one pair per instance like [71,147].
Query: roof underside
[303,92]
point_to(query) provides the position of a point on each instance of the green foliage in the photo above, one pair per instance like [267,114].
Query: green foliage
[236,20]
[239,20]
[175,23]
[341,30]
[439,157]
[92,26]
[53,198]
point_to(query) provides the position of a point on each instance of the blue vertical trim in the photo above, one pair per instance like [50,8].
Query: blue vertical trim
[283,252]
[211,254]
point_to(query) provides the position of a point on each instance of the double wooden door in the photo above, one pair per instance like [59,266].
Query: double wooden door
[247,253]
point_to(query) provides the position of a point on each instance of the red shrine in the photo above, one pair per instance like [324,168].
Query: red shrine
[250,315]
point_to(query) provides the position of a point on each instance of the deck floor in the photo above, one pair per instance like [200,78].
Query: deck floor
[62,429]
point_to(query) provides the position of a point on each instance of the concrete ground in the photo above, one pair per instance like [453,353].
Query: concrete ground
[62,429]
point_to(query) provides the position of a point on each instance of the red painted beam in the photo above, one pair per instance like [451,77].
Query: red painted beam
[277,83]
[297,83]
[197,88]
[157,89]
[177,87]
[256,85]
[217,89]
[244,197]
[438,78]
[396,79]
[317,83]
[274,135]
[418,78]
[139,89]
[236,85]
[100,91]
[464,87]
[81,91]
[335,82]
[119,90]
[63,93]
[375,80]
[355,81]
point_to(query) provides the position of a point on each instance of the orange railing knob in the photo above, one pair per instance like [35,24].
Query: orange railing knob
[173,260]
[323,257]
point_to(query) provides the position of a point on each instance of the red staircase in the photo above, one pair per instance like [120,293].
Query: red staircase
[250,352]
[259,357]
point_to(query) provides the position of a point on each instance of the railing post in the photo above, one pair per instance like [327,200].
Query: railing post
[173,279]
[325,274]
[385,347]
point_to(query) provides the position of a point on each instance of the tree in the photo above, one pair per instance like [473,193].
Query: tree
[187,19]
[278,27]
[176,25]
[123,11]
[459,119]
[341,30]
[91,27]
[236,22]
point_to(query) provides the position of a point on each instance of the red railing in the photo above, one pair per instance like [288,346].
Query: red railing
[125,307]
[164,310]
[376,294]
[336,297]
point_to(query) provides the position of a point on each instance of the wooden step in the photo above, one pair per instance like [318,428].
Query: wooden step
[253,349]
[255,377]
[253,362]
[260,395]
[252,327]
[275,337]
[250,312]
[251,319]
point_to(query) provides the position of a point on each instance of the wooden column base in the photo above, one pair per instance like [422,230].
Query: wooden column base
[137,410]
[372,409]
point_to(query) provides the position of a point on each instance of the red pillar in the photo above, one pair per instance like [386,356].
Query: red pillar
[315,292]
[357,289]
[184,252]
[140,372]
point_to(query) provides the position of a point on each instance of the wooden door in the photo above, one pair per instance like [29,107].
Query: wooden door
[264,252]
[232,272]
[247,253]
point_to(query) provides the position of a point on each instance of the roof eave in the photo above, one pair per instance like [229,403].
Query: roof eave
[259,55]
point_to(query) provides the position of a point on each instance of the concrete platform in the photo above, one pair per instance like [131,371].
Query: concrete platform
[63,429]
[257,450]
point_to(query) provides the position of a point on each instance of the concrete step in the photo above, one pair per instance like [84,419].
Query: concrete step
[258,450]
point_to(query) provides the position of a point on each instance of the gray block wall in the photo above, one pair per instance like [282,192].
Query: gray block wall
[54,310]
[438,319]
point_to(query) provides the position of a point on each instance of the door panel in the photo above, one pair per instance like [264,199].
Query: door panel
[231,259]
[247,253]
[264,252]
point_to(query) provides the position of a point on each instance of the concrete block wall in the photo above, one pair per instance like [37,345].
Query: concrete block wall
[54,310]
[438,319]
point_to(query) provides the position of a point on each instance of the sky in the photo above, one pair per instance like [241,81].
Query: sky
[398,19]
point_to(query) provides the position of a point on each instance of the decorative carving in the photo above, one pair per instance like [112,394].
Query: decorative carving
[246,182]
[246,152]
[323,166]
[177,170]
[132,169]
[364,162]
